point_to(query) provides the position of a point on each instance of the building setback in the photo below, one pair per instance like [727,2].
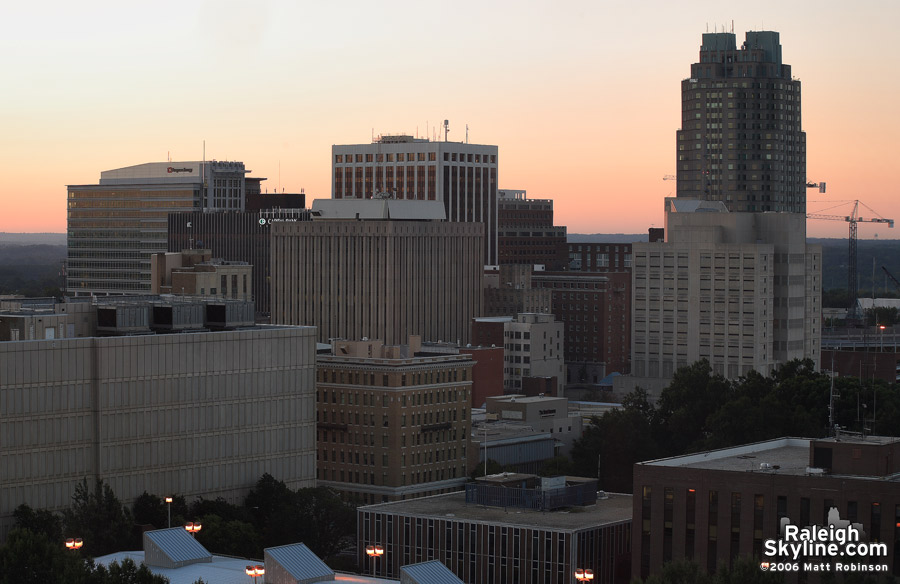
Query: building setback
[393,423]
[741,140]
[199,413]
[462,176]
[379,279]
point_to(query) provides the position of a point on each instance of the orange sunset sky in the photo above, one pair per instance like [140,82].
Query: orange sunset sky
[582,97]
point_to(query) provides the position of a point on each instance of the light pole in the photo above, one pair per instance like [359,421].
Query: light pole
[583,575]
[74,543]
[374,552]
[881,328]
[169,505]
[193,528]
[255,571]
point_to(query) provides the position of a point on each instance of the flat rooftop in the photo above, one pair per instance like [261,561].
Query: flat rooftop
[786,456]
[615,509]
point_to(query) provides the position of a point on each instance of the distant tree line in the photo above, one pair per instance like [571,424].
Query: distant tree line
[700,410]
[272,515]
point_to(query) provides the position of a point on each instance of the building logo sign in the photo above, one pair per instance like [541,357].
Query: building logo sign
[838,547]
[173,170]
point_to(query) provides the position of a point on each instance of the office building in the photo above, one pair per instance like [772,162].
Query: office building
[462,176]
[600,257]
[239,237]
[203,412]
[506,528]
[742,290]
[595,309]
[533,347]
[380,269]
[741,141]
[393,423]
[487,367]
[712,507]
[508,291]
[115,225]
[527,234]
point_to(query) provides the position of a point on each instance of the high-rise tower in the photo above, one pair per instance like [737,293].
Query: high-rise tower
[740,140]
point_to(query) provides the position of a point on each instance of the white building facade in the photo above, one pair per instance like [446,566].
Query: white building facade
[742,290]
[533,347]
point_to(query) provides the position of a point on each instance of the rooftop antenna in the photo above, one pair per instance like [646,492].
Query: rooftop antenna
[446,129]
[203,175]
[467,133]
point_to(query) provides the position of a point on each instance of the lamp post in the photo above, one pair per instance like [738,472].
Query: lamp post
[74,543]
[374,552]
[583,575]
[193,528]
[881,328]
[255,571]
[169,505]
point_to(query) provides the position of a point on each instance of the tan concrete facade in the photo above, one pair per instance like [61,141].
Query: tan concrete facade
[742,290]
[188,414]
[392,428]
[378,279]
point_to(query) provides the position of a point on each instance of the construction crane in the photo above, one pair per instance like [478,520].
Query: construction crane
[853,219]
[891,276]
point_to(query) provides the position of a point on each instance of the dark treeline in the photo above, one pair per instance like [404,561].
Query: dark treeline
[272,515]
[701,411]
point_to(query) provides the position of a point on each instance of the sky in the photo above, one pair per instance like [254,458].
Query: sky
[583,98]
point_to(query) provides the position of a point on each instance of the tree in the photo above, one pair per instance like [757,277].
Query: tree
[684,407]
[126,572]
[230,538]
[97,516]
[40,521]
[328,522]
[152,510]
[32,558]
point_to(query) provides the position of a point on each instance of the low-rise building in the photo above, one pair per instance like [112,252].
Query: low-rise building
[508,531]
[712,507]
[543,413]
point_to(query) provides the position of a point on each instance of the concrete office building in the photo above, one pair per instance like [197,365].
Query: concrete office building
[509,291]
[393,423]
[380,269]
[115,225]
[741,140]
[196,413]
[462,176]
[742,290]
[482,542]
[712,507]
[533,347]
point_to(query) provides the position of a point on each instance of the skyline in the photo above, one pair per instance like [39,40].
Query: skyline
[583,100]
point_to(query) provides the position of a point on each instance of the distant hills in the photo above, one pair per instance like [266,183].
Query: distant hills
[32,238]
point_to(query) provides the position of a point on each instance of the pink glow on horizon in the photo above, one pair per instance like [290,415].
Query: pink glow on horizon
[582,99]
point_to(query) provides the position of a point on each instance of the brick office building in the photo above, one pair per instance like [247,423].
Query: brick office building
[712,507]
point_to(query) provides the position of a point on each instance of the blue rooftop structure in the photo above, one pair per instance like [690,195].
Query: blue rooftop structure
[433,572]
[173,548]
[295,564]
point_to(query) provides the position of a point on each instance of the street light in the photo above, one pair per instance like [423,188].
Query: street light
[374,552]
[193,528]
[881,327]
[255,571]
[74,543]
[169,505]
[584,575]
